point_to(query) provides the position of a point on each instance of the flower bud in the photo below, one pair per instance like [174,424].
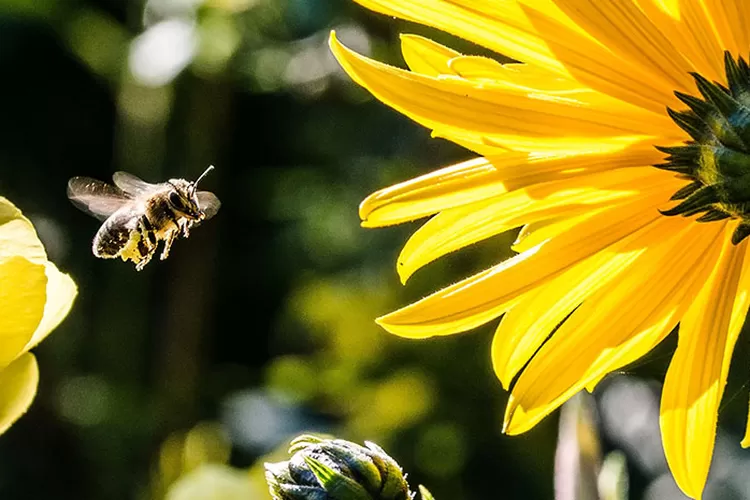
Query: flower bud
[334,469]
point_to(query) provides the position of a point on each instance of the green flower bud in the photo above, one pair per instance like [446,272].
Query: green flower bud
[334,469]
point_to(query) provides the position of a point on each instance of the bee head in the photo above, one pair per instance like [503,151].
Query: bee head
[184,197]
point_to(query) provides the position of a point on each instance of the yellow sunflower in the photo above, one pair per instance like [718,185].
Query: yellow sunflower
[620,144]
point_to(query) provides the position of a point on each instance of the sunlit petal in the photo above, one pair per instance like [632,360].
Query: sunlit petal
[485,296]
[601,334]
[460,227]
[482,178]
[592,65]
[500,26]
[697,374]
[485,111]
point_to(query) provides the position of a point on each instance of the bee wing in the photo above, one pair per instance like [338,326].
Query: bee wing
[96,197]
[209,203]
[133,185]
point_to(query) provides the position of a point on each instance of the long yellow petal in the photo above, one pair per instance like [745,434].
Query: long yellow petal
[697,374]
[425,56]
[631,314]
[22,300]
[691,33]
[460,227]
[559,146]
[500,25]
[449,187]
[732,21]
[525,327]
[744,295]
[479,179]
[535,233]
[460,104]
[18,382]
[593,65]
[432,59]
[483,297]
[624,29]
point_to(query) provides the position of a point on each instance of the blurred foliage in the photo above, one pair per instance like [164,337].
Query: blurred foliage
[262,321]
[194,465]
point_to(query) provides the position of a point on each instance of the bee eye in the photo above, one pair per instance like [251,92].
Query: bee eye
[176,201]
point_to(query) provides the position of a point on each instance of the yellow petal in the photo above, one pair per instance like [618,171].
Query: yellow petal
[424,56]
[432,59]
[22,300]
[454,229]
[498,25]
[17,235]
[521,77]
[480,178]
[691,33]
[630,315]
[448,187]
[61,292]
[562,145]
[594,66]
[535,233]
[730,19]
[483,297]
[459,104]
[18,382]
[697,374]
[523,329]
[624,29]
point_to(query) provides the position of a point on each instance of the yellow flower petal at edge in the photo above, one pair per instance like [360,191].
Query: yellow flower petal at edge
[18,383]
[23,296]
[17,235]
[34,298]
[698,372]
[61,292]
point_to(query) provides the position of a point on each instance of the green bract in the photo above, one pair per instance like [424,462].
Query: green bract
[717,160]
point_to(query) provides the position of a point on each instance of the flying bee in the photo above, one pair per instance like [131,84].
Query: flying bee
[138,215]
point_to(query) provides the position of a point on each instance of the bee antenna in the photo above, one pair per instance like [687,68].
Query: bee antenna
[195,184]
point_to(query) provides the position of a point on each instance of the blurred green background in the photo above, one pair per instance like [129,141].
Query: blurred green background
[260,326]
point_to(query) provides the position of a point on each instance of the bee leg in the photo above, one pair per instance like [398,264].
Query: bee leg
[186,226]
[145,260]
[147,242]
[168,244]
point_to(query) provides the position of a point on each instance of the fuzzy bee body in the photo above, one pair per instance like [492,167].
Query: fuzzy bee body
[138,215]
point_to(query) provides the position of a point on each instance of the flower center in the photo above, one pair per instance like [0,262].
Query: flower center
[717,159]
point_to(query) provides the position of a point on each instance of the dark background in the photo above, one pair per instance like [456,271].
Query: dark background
[260,325]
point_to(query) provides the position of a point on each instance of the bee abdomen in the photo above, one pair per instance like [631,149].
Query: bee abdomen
[110,240]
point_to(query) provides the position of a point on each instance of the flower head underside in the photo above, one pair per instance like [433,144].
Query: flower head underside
[620,145]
